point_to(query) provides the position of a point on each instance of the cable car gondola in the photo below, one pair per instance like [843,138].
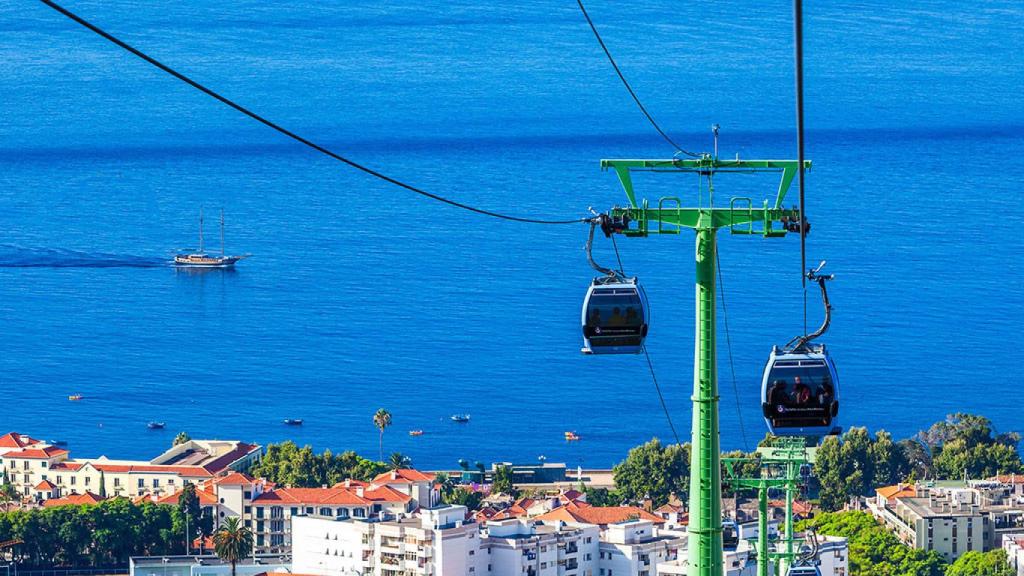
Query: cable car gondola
[800,386]
[615,313]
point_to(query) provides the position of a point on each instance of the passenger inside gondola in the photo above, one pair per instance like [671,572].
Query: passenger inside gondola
[801,401]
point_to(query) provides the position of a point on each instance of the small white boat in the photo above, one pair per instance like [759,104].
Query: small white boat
[461,418]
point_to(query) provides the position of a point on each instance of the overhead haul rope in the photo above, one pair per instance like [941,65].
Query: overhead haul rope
[798,53]
[289,133]
[628,87]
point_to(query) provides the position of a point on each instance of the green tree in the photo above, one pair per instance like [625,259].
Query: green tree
[232,542]
[993,563]
[181,438]
[399,460]
[382,419]
[288,465]
[464,496]
[502,482]
[654,471]
[966,444]
[600,496]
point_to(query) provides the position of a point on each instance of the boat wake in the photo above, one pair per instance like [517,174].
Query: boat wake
[21,257]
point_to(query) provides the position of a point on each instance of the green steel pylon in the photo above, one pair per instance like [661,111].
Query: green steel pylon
[741,217]
[780,461]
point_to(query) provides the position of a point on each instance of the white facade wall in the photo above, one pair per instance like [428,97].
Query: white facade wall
[331,547]
[635,549]
[833,556]
[1014,552]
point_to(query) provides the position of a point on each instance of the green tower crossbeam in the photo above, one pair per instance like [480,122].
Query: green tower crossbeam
[670,217]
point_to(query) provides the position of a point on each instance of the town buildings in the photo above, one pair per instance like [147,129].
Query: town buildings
[41,471]
[269,510]
[951,517]
[442,542]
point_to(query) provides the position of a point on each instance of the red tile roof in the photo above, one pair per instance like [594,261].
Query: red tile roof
[310,496]
[45,485]
[235,479]
[16,440]
[73,500]
[206,498]
[385,494]
[222,462]
[403,476]
[65,465]
[897,491]
[600,515]
[800,507]
[37,453]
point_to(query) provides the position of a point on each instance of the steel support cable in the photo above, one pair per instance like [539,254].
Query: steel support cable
[625,83]
[728,346]
[798,54]
[120,43]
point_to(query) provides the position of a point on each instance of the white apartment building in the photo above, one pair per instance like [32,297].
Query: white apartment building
[947,519]
[438,542]
[635,548]
[522,547]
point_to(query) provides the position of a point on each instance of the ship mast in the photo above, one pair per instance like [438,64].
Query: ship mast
[221,232]
[200,230]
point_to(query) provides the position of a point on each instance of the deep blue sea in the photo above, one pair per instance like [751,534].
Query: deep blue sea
[360,295]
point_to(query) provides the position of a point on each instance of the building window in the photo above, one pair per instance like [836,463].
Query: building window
[247,495]
[117,481]
[295,511]
[276,512]
[156,482]
[342,513]
[73,478]
[26,465]
[277,526]
[326,512]
[259,512]
[247,509]
[259,526]
[142,482]
[309,509]
[472,552]
[170,481]
[87,478]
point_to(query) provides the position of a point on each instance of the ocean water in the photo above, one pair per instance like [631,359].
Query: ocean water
[360,295]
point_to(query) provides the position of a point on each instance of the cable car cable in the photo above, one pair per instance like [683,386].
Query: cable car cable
[798,54]
[650,364]
[209,92]
[728,345]
[661,397]
[625,83]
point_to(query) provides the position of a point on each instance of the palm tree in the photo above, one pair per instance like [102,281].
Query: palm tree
[382,419]
[445,484]
[399,460]
[232,542]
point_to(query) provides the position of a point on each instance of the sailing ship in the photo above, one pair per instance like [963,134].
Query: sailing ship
[201,259]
